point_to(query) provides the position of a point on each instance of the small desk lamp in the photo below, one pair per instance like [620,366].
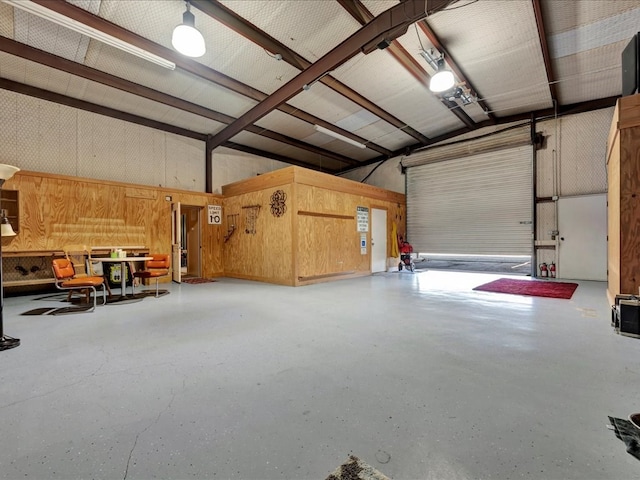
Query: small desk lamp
[6,342]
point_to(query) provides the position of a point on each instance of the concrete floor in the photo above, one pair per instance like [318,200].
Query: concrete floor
[480,264]
[416,374]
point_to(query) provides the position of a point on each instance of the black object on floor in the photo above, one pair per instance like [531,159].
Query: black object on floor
[69,310]
[197,280]
[628,433]
[152,293]
[38,311]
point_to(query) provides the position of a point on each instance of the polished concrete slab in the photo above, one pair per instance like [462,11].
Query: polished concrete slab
[416,374]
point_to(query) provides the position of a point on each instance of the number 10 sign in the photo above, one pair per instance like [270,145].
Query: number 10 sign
[214,214]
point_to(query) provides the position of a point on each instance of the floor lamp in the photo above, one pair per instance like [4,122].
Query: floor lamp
[6,342]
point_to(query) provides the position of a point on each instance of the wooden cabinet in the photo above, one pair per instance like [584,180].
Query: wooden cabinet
[9,202]
[623,199]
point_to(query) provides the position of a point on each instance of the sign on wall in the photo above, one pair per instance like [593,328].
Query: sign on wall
[363,219]
[363,244]
[214,214]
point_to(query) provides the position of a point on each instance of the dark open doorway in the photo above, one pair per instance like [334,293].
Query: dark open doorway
[190,242]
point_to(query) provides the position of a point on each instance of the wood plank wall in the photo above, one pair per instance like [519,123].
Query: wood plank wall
[328,241]
[260,250]
[613,217]
[623,197]
[316,239]
[58,210]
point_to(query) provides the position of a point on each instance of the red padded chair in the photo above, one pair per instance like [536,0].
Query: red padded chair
[156,268]
[66,279]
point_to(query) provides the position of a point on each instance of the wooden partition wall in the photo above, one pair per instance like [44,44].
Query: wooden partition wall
[313,239]
[623,199]
[290,227]
[58,210]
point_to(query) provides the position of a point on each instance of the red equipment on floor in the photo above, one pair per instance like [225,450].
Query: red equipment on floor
[405,255]
[544,271]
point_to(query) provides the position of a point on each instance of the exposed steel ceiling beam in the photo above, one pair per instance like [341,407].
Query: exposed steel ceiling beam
[358,11]
[58,98]
[62,64]
[241,26]
[99,109]
[190,65]
[44,58]
[437,44]
[299,144]
[537,9]
[538,115]
[275,156]
[378,30]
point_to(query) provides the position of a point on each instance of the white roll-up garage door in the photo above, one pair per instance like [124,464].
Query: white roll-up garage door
[478,205]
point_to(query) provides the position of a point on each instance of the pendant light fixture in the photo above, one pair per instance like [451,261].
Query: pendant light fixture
[443,79]
[186,39]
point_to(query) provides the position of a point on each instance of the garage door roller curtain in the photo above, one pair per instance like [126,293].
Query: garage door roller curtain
[478,205]
[507,138]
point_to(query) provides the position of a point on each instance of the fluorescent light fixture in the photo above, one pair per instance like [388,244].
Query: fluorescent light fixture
[186,38]
[443,79]
[59,19]
[333,134]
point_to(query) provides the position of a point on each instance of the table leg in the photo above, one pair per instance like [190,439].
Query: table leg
[124,298]
[123,280]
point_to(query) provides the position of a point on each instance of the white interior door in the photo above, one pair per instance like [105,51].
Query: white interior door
[582,250]
[378,240]
[176,239]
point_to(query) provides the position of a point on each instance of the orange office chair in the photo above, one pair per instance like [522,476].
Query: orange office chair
[156,268]
[83,265]
[66,279]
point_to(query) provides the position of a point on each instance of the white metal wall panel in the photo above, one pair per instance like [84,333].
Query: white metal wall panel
[388,175]
[46,137]
[231,166]
[545,217]
[545,159]
[479,205]
[572,163]
[583,152]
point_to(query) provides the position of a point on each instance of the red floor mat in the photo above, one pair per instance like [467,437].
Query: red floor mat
[533,288]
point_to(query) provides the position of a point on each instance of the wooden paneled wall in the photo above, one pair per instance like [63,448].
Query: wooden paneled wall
[623,198]
[259,246]
[328,241]
[315,240]
[57,210]
[613,218]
